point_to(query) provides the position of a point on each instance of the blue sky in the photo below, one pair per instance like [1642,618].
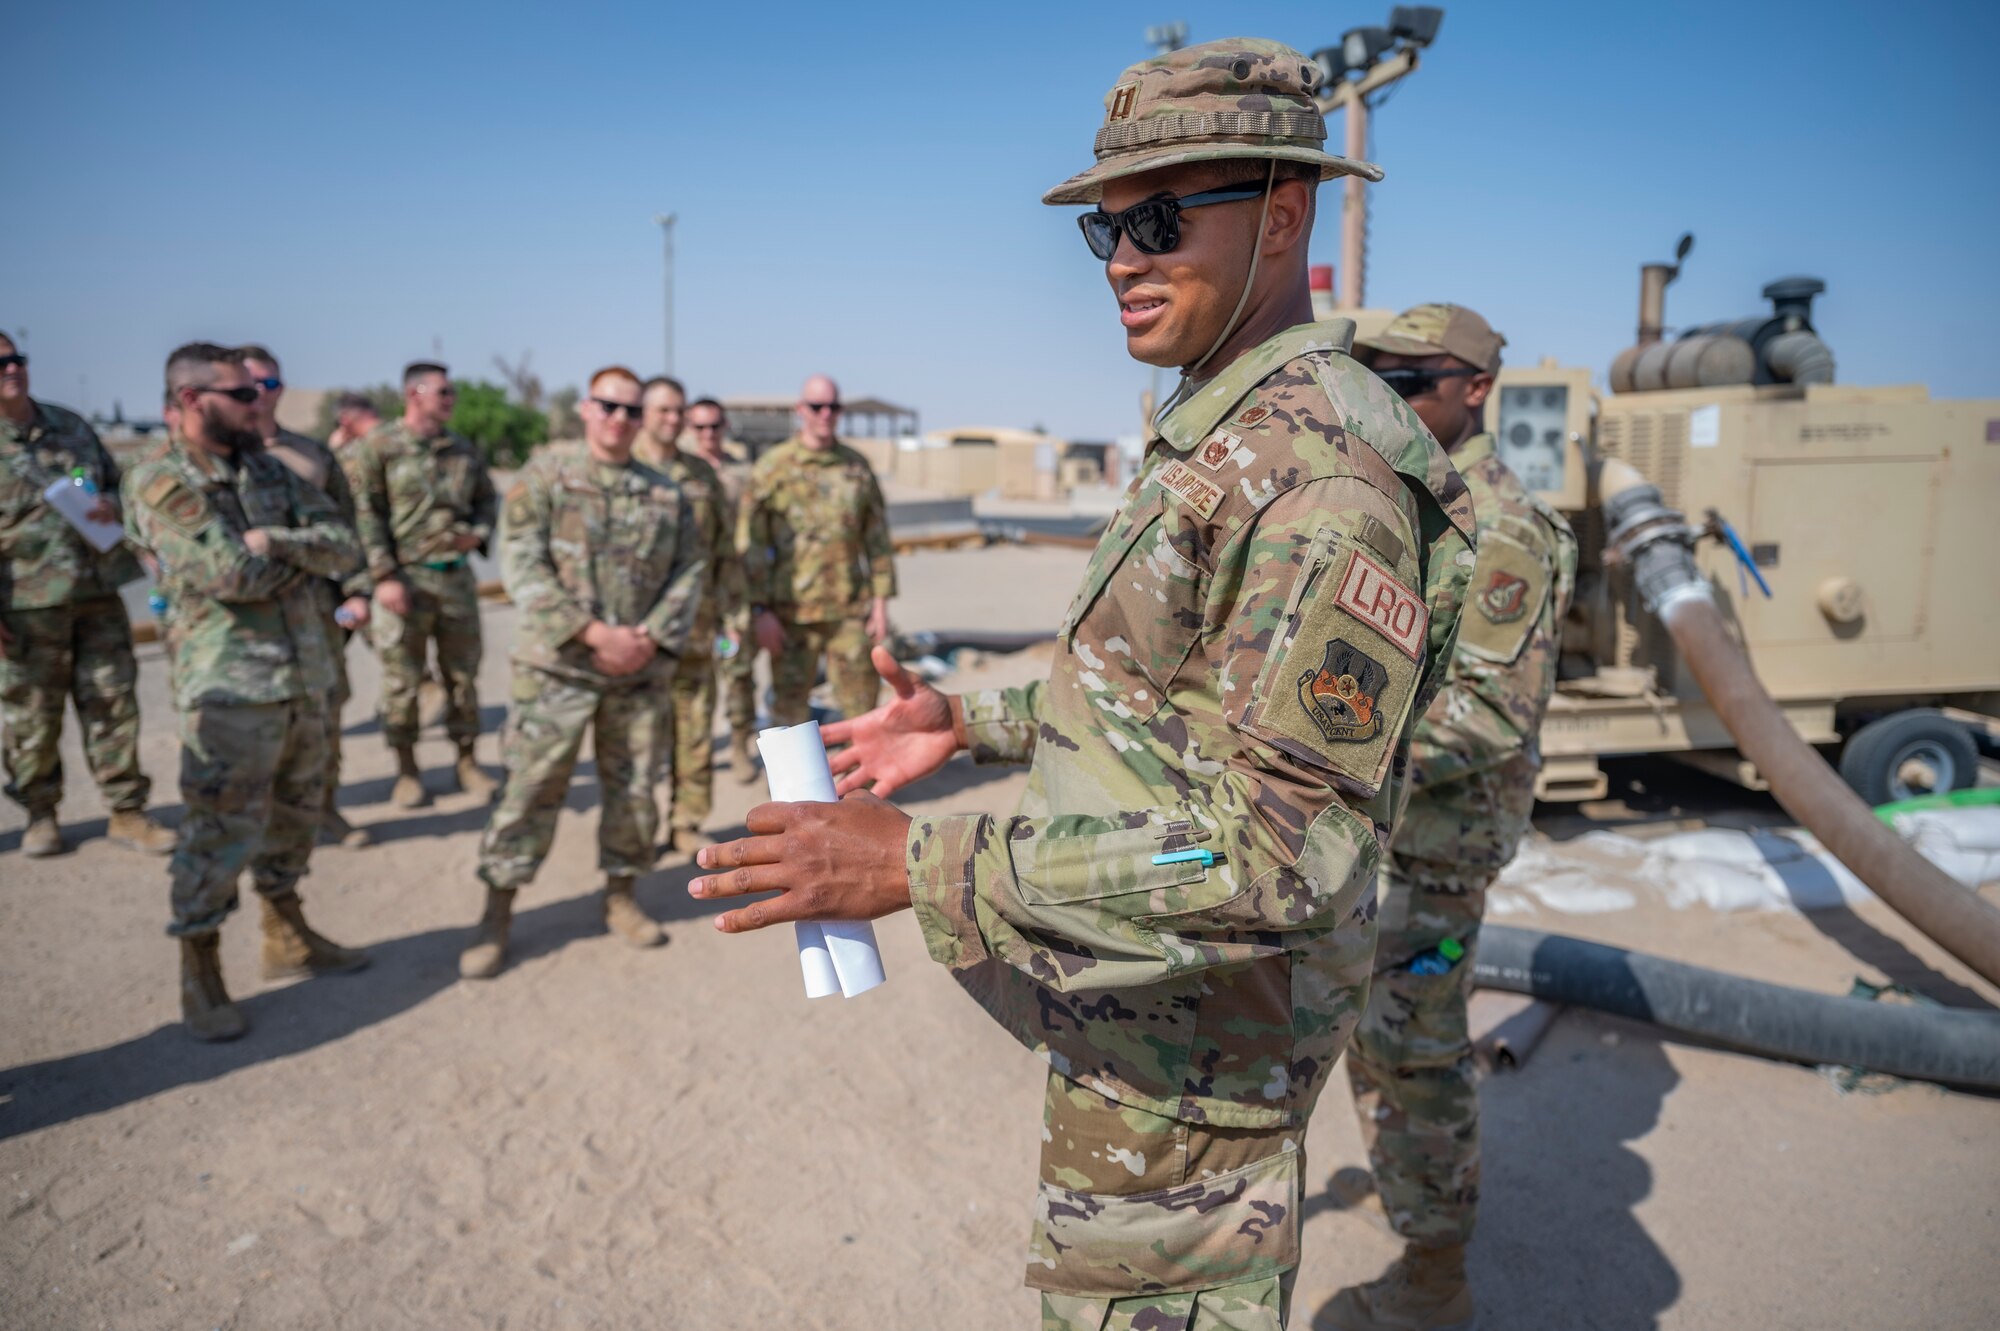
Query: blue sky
[858,186]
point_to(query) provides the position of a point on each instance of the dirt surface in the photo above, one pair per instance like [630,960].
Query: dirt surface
[611,1138]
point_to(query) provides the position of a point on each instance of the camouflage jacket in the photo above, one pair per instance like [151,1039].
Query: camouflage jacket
[585,541]
[1258,628]
[314,463]
[815,534]
[245,628]
[413,495]
[714,517]
[1475,753]
[43,560]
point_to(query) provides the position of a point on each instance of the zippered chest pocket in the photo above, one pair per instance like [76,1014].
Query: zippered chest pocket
[1136,633]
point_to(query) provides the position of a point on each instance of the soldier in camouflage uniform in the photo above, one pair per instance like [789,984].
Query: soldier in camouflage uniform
[605,568]
[713,513]
[347,597]
[425,502]
[818,568]
[63,629]
[245,549]
[1473,761]
[708,430]
[1180,918]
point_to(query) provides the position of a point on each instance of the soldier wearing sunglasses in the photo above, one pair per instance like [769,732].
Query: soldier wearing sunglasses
[424,502]
[347,598]
[605,564]
[241,544]
[1180,917]
[1473,762]
[64,633]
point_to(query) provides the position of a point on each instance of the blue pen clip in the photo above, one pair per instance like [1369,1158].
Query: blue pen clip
[1205,858]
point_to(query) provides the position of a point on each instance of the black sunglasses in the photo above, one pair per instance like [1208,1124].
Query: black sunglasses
[820,406]
[1153,224]
[632,410]
[9,362]
[246,394]
[1415,381]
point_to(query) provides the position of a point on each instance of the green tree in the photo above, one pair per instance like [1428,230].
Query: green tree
[506,432]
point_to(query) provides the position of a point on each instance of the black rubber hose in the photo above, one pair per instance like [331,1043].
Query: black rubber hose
[1944,1045]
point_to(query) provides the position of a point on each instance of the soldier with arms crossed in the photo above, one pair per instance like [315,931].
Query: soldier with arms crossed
[242,545]
[424,502]
[605,567]
[1180,918]
[1473,760]
[64,632]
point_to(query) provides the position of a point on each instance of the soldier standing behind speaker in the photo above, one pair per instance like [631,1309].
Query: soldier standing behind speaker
[708,433]
[1473,761]
[241,543]
[346,597]
[64,632]
[424,502]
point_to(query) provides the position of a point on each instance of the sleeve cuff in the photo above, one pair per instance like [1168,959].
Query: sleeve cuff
[998,730]
[885,586]
[563,625]
[939,856]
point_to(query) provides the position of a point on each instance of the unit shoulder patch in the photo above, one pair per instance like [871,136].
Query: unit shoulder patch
[1217,449]
[1372,594]
[179,507]
[1510,586]
[1182,481]
[1341,696]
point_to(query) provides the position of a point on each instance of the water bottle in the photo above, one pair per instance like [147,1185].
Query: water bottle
[1438,960]
[83,481]
[156,601]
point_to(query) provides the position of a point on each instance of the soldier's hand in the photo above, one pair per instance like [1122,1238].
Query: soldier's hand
[878,620]
[257,541]
[769,631]
[393,595]
[618,651]
[827,861]
[902,741]
[357,611]
[103,510]
[463,541]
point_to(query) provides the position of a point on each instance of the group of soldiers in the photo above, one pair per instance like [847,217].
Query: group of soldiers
[638,601]
[1286,743]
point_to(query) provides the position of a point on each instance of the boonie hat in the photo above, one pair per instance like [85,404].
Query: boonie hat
[1243,97]
[1439,330]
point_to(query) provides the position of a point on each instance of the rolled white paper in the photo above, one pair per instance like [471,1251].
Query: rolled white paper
[839,956]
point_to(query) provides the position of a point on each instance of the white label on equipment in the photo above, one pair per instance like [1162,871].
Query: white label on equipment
[1705,426]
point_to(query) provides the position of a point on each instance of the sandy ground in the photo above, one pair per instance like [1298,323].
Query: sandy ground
[611,1138]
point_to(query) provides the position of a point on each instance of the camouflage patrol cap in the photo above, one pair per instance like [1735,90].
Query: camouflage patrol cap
[1438,330]
[1242,97]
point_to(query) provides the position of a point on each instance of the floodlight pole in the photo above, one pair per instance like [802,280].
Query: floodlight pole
[1353,98]
[666,221]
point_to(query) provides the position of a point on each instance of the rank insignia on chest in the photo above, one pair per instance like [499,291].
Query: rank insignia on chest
[1504,598]
[1181,480]
[1343,696]
[1217,449]
[1372,595]
[1250,416]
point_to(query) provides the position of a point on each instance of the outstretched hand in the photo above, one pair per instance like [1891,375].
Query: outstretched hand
[903,741]
[841,861]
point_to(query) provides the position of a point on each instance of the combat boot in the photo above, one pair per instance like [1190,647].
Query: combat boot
[487,953]
[409,792]
[1423,1290]
[132,829]
[335,830]
[43,837]
[205,1005]
[471,780]
[292,949]
[1352,1191]
[623,917]
[744,759]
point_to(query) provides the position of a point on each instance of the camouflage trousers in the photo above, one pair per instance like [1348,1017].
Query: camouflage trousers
[845,644]
[1411,1059]
[1145,1223]
[81,651]
[444,608]
[253,777]
[343,690]
[633,726]
[738,676]
[693,754]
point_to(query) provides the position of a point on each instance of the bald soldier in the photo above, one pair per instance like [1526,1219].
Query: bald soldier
[346,597]
[1473,761]
[1180,918]
[818,567]
[64,633]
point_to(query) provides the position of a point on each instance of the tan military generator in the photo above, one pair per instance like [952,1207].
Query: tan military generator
[1872,515]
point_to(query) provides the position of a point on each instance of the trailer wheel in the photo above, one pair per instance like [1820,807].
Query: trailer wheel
[1907,754]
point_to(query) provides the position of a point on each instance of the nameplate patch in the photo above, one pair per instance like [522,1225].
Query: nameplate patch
[1372,595]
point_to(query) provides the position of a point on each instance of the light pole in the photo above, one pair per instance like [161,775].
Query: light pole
[1380,56]
[666,221]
